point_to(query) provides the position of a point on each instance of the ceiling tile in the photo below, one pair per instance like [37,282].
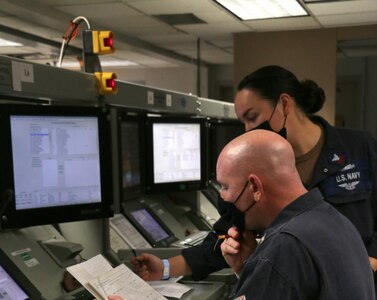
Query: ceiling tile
[70,2]
[14,22]
[214,56]
[343,7]
[283,24]
[177,44]
[156,7]
[217,17]
[348,19]
[170,39]
[34,29]
[218,30]
[101,11]
[222,42]
[137,26]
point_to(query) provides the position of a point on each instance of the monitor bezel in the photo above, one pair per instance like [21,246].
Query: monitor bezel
[180,186]
[134,116]
[214,125]
[11,218]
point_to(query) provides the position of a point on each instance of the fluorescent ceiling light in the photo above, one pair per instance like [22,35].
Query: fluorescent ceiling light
[118,63]
[7,43]
[263,9]
[106,63]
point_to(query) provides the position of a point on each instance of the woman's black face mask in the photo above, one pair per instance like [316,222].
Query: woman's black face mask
[266,126]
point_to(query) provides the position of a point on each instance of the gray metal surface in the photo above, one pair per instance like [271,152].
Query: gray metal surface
[153,99]
[216,109]
[23,248]
[24,80]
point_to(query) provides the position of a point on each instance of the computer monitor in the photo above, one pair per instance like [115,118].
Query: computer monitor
[176,151]
[131,137]
[221,132]
[14,285]
[149,224]
[56,164]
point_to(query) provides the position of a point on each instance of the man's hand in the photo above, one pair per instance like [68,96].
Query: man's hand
[373,263]
[114,297]
[148,267]
[237,248]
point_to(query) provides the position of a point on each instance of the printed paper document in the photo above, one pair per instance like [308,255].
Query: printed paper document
[101,279]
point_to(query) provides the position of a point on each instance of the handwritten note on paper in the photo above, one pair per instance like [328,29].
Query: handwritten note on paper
[123,282]
[101,279]
[90,269]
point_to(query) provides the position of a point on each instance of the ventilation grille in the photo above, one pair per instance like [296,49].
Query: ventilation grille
[180,19]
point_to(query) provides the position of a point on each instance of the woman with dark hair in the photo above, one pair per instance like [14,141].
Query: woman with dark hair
[340,162]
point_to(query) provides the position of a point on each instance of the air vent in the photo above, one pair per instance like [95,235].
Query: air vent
[180,19]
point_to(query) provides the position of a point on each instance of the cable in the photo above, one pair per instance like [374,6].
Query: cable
[70,34]
[82,19]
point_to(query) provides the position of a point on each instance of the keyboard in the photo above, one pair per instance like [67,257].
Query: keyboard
[193,239]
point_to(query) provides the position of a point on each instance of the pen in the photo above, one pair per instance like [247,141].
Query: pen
[226,236]
[220,237]
[138,260]
[223,236]
[134,252]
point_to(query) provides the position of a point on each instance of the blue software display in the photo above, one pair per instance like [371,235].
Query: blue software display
[55,160]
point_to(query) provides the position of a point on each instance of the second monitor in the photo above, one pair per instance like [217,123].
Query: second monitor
[176,154]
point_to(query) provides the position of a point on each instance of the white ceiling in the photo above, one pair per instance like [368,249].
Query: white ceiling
[144,39]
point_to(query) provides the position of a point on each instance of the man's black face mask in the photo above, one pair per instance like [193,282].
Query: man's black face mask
[237,218]
[266,126]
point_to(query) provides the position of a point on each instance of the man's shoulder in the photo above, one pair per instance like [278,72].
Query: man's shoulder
[322,219]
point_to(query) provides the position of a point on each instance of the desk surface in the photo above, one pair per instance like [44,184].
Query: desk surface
[205,290]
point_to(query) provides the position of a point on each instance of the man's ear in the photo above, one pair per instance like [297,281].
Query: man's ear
[255,186]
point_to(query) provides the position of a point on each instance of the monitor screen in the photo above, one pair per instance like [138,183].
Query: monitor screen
[14,285]
[176,153]
[221,133]
[9,289]
[58,167]
[131,149]
[149,225]
[145,219]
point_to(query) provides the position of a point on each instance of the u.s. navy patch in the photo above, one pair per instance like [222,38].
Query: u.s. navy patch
[353,179]
[348,178]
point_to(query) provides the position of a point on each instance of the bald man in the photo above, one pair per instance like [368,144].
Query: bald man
[309,250]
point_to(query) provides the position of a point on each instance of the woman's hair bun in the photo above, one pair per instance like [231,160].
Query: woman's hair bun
[313,97]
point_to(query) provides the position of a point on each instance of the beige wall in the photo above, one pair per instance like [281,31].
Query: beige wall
[357,33]
[309,54]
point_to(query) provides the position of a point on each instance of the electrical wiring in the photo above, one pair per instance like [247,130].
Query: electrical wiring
[70,34]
